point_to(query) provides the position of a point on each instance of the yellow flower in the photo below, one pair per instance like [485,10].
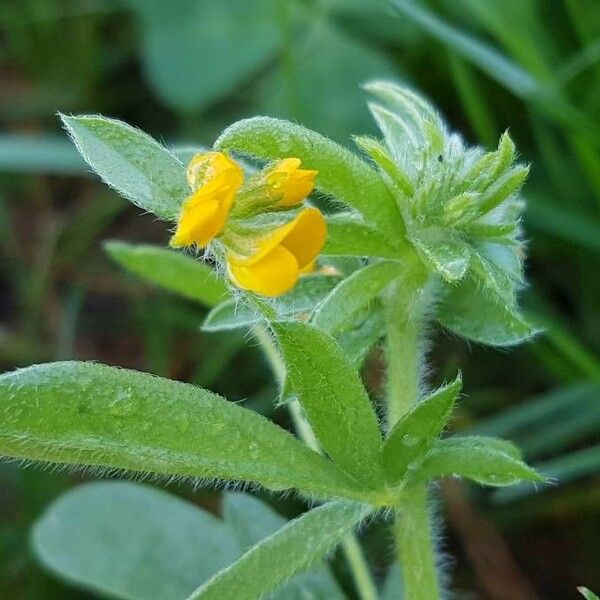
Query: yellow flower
[280,258]
[285,179]
[205,166]
[205,212]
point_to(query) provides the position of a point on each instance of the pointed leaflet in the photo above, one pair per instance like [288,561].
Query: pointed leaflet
[252,520]
[289,551]
[443,252]
[131,162]
[587,593]
[334,398]
[89,414]
[350,236]
[355,293]
[170,270]
[476,315]
[401,138]
[342,174]
[235,314]
[484,460]
[416,432]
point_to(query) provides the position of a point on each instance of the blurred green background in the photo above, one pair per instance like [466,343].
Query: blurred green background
[184,69]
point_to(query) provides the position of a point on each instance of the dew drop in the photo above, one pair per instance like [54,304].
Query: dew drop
[410,440]
[122,405]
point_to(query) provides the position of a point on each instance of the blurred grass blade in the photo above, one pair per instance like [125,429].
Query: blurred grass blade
[477,109]
[93,415]
[289,551]
[537,412]
[497,66]
[170,270]
[563,223]
[39,154]
[560,470]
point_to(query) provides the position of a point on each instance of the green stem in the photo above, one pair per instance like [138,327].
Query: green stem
[412,531]
[404,365]
[359,567]
[405,313]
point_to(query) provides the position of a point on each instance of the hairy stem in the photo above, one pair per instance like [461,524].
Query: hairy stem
[413,535]
[357,563]
[403,358]
[406,308]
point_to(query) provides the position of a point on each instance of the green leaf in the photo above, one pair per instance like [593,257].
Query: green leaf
[443,252]
[97,535]
[354,294]
[380,155]
[587,593]
[89,414]
[342,174]
[405,103]
[489,462]
[334,398]
[229,315]
[417,431]
[236,314]
[131,162]
[291,550]
[349,236]
[122,540]
[251,521]
[400,136]
[197,52]
[476,316]
[358,341]
[171,270]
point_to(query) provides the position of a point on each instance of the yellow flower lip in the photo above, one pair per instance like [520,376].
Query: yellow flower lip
[204,213]
[281,257]
[292,184]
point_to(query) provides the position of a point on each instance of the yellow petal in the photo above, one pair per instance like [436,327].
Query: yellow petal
[274,274]
[204,213]
[206,166]
[199,225]
[306,238]
[290,182]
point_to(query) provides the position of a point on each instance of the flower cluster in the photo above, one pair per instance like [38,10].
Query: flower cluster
[267,236]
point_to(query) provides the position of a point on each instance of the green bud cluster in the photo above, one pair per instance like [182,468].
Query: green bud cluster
[460,205]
